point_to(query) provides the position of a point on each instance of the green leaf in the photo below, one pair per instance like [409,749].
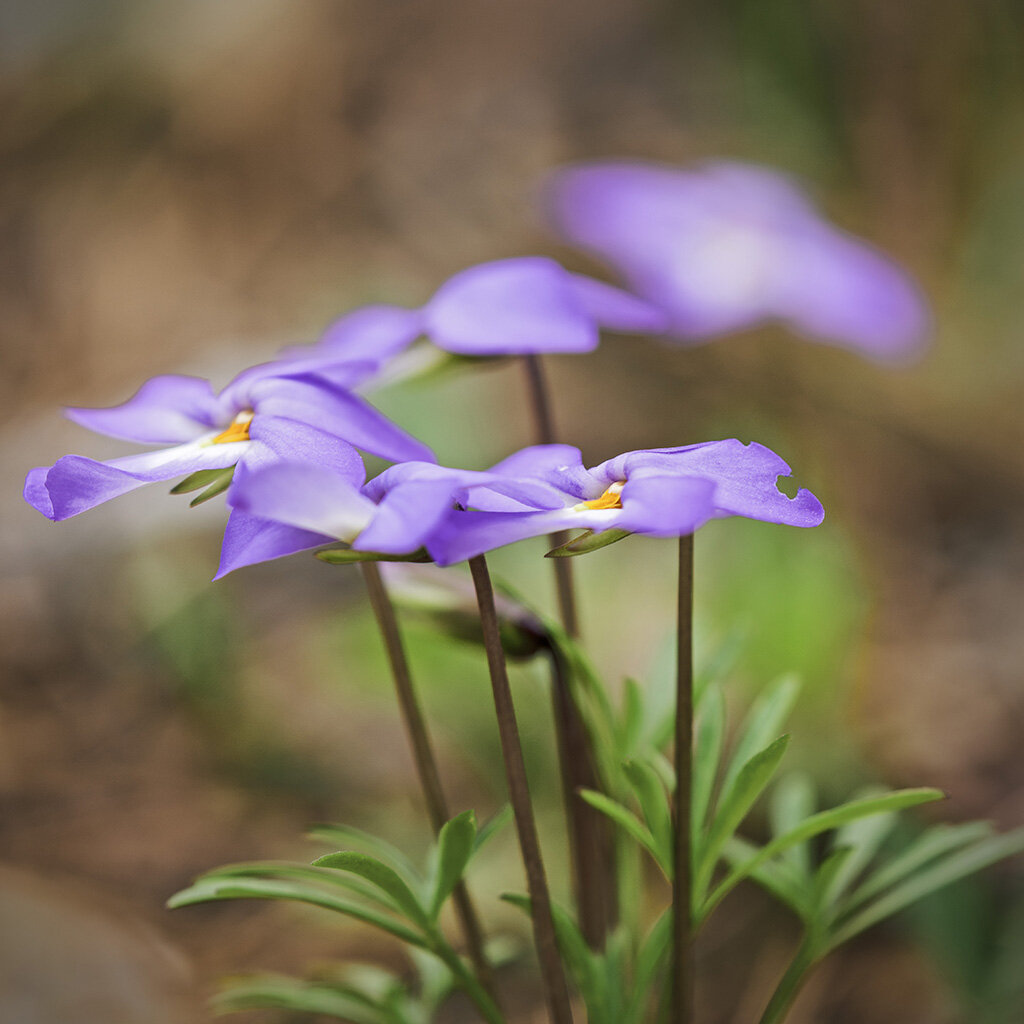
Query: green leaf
[203,478]
[587,542]
[951,868]
[631,721]
[832,867]
[279,992]
[206,889]
[864,836]
[649,960]
[629,823]
[455,845]
[793,800]
[381,875]
[348,556]
[733,806]
[709,731]
[653,800]
[583,965]
[823,821]
[933,843]
[491,827]
[763,724]
[218,487]
[778,876]
[348,835]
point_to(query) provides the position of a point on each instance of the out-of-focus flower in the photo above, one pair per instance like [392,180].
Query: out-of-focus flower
[267,413]
[393,514]
[661,492]
[506,307]
[724,246]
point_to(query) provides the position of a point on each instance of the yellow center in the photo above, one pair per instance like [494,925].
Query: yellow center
[612,498]
[237,431]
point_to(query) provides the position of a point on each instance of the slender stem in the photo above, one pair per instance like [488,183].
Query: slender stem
[682,955]
[790,984]
[469,983]
[590,842]
[555,989]
[426,763]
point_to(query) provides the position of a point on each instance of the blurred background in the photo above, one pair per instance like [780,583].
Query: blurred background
[188,187]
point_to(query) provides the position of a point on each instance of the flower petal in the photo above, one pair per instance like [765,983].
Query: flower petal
[318,402]
[277,439]
[510,307]
[165,410]
[304,496]
[248,540]
[371,333]
[467,534]
[617,310]
[407,516]
[74,484]
[665,506]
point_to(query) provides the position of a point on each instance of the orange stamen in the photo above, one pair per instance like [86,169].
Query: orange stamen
[612,498]
[237,431]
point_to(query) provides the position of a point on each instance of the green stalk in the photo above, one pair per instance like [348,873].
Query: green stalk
[790,984]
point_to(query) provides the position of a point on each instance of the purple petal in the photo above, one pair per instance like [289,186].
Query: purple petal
[165,410]
[467,534]
[407,516]
[617,310]
[725,246]
[310,399]
[842,291]
[304,496]
[510,307]
[248,540]
[665,506]
[372,333]
[276,439]
[75,484]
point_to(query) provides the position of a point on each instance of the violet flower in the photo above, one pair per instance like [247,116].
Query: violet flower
[725,246]
[394,514]
[505,307]
[265,414]
[661,492]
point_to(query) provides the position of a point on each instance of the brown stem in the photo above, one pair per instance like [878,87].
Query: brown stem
[555,990]
[590,844]
[682,886]
[426,763]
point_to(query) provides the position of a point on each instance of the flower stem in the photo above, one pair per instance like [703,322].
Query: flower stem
[590,845]
[555,990]
[682,886]
[789,985]
[426,763]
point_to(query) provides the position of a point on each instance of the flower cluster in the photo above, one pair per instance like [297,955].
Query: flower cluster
[702,252]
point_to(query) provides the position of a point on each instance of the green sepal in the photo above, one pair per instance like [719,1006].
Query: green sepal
[587,542]
[348,556]
[209,478]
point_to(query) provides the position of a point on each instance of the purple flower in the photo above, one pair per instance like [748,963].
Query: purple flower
[661,492]
[394,514]
[267,413]
[506,307]
[725,246]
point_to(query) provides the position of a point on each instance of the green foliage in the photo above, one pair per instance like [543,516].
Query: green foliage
[587,542]
[216,481]
[344,555]
[375,884]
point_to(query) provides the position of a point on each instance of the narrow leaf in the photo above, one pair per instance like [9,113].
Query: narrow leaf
[763,724]
[793,800]
[217,487]
[279,992]
[933,843]
[491,827]
[587,542]
[708,733]
[347,556]
[455,845]
[649,961]
[823,821]
[653,800]
[204,890]
[733,807]
[778,877]
[953,867]
[629,823]
[863,836]
[348,835]
[202,478]
[381,875]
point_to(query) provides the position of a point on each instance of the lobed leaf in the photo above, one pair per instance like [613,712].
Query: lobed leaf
[348,835]
[381,875]
[629,823]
